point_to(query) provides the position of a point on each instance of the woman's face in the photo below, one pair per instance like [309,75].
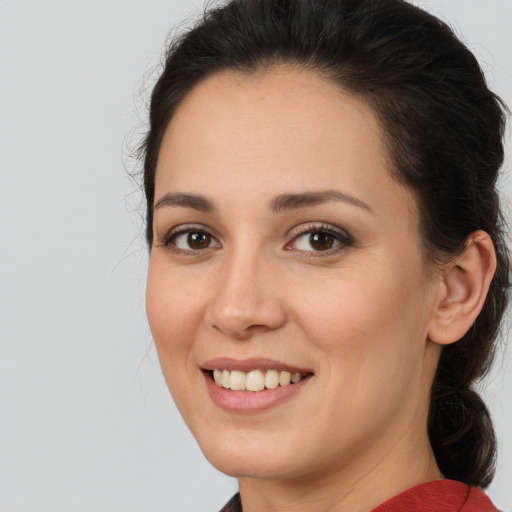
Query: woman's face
[284,249]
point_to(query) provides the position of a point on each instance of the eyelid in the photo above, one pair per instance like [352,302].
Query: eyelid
[344,238]
[167,238]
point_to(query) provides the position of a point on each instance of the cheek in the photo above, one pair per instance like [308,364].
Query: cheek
[366,319]
[174,314]
[173,317]
[171,303]
[370,336]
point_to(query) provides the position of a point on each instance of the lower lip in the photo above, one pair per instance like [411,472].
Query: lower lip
[251,401]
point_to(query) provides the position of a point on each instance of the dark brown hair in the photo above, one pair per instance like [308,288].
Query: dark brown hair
[444,131]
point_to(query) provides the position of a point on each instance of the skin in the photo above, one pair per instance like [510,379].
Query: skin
[360,316]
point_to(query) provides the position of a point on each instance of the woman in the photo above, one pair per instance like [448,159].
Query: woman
[327,272]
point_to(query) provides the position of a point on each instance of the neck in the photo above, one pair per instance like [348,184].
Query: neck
[357,486]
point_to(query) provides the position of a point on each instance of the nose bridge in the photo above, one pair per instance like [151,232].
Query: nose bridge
[245,301]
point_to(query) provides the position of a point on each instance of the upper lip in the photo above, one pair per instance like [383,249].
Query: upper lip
[249,364]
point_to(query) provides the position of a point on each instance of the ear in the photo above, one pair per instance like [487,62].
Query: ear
[465,283]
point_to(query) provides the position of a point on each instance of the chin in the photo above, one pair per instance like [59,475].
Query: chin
[237,457]
[247,466]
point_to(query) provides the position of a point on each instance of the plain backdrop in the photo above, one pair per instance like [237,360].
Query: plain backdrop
[86,422]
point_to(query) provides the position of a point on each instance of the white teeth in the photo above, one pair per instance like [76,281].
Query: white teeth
[285,378]
[271,379]
[217,377]
[237,381]
[225,378]
[255,380]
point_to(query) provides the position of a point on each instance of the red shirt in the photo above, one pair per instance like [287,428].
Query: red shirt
[438,496]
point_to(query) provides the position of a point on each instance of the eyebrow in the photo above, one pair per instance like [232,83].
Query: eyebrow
[286,202]
[280,204]
[194,201]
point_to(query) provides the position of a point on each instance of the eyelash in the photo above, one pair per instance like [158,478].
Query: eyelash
[169,238]
[340,236]
[342,239]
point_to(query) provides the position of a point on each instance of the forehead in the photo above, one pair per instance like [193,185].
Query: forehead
[282,101]
[283,127]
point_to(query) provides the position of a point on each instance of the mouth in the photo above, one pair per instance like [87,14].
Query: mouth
[255,380]
[254,384]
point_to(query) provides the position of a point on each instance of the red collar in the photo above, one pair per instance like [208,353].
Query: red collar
[437,496]
[440,495]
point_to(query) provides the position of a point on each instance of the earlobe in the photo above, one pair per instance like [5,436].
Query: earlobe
[466,281]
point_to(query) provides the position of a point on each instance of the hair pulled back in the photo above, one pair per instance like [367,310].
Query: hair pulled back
[443,129]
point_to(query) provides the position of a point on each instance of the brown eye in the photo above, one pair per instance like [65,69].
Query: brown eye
[199,240]
[190,240]
[321,241]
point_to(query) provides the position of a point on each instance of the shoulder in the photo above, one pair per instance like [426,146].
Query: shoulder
[445,495]
[478,502]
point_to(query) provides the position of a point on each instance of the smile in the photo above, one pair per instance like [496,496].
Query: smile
[253,385]
[255,380]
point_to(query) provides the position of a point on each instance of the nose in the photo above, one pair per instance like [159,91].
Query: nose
[246,301]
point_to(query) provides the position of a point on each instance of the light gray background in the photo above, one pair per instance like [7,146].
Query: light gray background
[86,423]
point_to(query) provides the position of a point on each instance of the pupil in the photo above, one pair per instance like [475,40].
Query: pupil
[321,241]
[198,240]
